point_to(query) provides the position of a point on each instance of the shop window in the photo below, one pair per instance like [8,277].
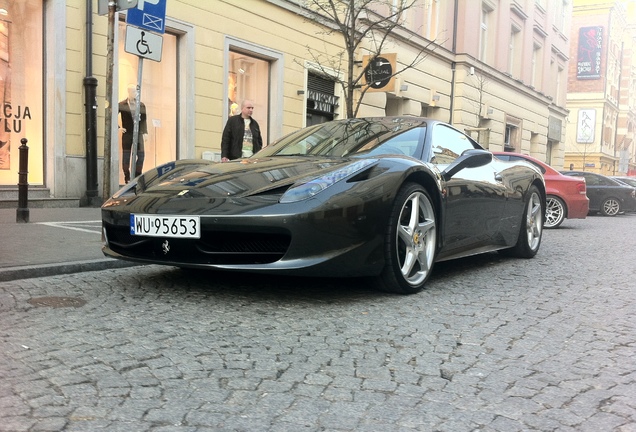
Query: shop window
[512,137]
[158,94]
[21,89]
[248,79]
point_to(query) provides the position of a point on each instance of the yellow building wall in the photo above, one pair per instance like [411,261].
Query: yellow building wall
[76,54]
[266,24]
[253,21]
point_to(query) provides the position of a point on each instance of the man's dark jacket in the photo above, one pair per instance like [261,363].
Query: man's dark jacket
[232,141]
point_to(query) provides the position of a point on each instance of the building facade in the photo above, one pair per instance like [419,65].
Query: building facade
[496,69]
[602,88]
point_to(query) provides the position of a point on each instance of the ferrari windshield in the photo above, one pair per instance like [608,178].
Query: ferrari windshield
[352,138]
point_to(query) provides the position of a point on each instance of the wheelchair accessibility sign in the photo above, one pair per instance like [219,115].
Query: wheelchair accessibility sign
[143,43]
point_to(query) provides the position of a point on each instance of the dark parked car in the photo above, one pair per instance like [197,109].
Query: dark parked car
[607,195]
[565,195]
[378,197]
[630,181]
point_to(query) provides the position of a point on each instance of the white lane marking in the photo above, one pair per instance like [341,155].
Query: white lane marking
[66,225]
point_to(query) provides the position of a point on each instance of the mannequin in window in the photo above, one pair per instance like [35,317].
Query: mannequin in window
[126,111]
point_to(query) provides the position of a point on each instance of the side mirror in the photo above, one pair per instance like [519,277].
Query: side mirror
[469,159]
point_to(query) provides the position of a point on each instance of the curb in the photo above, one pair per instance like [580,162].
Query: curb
[8,274]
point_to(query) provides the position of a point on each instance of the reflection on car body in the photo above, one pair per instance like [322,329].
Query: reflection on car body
[565,196]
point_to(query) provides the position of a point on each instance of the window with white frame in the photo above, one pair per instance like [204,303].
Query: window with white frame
[514,51]
[559,84]
[483,32]
[431,15]
[511,50]
[561,8]
[537,65]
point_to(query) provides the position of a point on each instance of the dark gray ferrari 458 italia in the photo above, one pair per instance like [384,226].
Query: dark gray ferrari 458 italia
[383,198]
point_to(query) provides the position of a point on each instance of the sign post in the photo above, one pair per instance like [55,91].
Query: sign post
[102,5]
[149,16]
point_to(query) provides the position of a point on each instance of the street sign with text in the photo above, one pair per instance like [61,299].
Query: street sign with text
[149,15]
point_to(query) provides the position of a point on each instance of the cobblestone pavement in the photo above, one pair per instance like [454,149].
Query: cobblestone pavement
[493,344]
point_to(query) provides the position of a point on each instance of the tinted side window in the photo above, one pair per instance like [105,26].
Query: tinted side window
[402,144]
[448,144]
[604,182]
[591,180]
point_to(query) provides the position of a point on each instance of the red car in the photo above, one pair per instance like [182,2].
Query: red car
[566,196]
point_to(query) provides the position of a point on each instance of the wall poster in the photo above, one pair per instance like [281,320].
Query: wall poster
[588,65]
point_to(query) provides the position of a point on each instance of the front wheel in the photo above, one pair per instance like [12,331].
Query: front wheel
[610,207]
[531,230]
[554,212]
[410,242]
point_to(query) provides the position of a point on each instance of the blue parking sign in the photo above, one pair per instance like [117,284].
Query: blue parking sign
[149,15]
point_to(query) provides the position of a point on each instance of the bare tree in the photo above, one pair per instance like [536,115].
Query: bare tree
[480,108]
[481,82]
[365,27]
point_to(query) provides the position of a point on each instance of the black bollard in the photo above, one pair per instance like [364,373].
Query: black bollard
[22,214]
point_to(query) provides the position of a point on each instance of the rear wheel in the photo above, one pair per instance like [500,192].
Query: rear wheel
[610,207]
[410,242]
[531,230]
[554,212]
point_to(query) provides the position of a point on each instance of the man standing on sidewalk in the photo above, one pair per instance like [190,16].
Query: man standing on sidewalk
[241,135]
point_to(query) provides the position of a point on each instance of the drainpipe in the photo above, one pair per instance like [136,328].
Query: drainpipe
[453,64]
[90,112]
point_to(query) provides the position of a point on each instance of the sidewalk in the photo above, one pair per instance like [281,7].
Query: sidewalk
[54,241]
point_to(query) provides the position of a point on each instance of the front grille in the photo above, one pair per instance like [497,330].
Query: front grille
[214,247]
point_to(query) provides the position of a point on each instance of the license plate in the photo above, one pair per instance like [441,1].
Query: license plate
[165,226]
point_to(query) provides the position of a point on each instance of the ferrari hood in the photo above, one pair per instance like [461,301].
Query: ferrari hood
[200,178]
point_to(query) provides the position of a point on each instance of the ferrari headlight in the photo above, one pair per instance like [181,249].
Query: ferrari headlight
[310,187]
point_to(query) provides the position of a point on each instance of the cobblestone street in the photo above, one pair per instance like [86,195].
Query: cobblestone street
[492,344]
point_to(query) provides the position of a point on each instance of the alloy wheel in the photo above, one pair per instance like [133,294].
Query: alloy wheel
[534,221]
[611,207]
[554,212]
[416,238]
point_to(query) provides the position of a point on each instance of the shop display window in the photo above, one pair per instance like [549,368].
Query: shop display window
[21,89]
[158,94]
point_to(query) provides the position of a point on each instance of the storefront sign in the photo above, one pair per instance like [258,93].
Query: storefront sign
[379,72]
[322,102]
[11,119]
[588,64]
